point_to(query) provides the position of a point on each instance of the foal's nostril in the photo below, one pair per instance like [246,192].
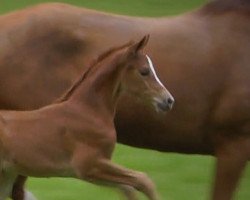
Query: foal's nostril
[165,104]
[170,101]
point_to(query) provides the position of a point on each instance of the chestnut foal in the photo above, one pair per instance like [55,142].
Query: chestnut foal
[75,136]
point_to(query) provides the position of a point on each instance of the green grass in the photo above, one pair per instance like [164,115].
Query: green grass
[178,177]
[129,7]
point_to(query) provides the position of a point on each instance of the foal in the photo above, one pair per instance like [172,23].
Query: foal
[75,136]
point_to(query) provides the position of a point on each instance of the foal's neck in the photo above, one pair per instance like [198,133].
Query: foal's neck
[101,88]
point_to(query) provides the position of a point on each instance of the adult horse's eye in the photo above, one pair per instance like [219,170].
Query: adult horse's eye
[145,72]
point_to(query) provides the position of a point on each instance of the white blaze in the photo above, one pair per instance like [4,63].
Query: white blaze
[158,80]
[153,71]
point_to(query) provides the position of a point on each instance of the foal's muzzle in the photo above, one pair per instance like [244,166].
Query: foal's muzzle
[164,103]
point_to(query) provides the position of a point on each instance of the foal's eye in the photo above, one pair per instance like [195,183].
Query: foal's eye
[145,72]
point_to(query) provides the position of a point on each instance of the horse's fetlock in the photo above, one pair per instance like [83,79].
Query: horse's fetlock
[143,181]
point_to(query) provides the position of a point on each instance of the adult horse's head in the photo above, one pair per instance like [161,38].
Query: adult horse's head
[142,78]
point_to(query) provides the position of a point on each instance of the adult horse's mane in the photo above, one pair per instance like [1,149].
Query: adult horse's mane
[221,6]
[83,76]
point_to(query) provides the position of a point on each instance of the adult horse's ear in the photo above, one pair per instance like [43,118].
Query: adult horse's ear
[139,45]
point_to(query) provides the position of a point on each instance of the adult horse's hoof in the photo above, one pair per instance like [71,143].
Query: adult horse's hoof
[29,196]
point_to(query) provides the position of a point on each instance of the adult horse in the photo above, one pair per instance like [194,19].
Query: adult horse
[202,57]
[62,140]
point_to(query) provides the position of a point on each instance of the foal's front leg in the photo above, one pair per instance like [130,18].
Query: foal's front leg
[106,172]
[128,191]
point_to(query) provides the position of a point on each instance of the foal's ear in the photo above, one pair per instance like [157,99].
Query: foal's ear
[139,45]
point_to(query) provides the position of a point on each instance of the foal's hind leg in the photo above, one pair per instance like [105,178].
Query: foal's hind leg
[232,157]
[106,172]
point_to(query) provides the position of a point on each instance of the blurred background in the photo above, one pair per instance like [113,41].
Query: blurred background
[178,177]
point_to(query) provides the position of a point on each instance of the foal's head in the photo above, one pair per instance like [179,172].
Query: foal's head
[136,69]
[141,77]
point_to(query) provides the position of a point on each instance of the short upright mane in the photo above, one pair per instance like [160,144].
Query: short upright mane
[83,76]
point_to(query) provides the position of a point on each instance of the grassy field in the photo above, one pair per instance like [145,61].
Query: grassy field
[178,177]
[129,7]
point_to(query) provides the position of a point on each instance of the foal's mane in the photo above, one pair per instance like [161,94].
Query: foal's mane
[85,73]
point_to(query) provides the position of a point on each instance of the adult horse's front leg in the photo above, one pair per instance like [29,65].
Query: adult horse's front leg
[232,156]
[107,173]
[18,188]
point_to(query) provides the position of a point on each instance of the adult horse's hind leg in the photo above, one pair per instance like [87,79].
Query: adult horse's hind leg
[106,172]
[232,157]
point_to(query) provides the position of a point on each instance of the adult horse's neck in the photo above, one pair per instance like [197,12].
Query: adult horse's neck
[99,87]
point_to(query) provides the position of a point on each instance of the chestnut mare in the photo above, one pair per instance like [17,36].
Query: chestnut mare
[202,56]
[75,136]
